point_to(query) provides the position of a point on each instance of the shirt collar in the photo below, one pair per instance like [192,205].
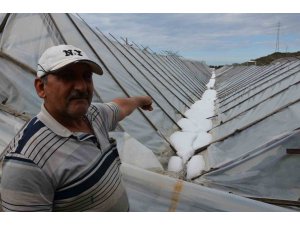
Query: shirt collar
[52,123]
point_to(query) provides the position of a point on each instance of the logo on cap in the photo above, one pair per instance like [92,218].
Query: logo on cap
[72,52]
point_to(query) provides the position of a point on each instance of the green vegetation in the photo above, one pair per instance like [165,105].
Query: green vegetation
[266,60]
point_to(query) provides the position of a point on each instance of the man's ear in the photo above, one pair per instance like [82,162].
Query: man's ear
[39,87]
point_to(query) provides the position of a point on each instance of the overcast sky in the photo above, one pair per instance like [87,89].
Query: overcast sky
[216,38]
[233,31]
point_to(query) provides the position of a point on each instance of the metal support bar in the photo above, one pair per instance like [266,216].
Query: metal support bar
[188,88]
[258,77]
[4,22]
[18,63]
[277,201]
[252,88]
[57,29]
[183,82]
[188,68]
[176,88]
[246,127]
[184,75]
[185,70]
[144,76]
[257,104]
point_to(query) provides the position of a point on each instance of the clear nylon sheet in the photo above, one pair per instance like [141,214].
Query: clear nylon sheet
[268,171]
[152,192]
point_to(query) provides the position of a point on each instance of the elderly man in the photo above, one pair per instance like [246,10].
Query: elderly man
[63,159]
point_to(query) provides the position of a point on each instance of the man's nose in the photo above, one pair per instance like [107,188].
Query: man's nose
[80,84]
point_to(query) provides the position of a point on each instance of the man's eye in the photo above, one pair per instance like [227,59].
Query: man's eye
[68,77]
[65,76]
[88,76]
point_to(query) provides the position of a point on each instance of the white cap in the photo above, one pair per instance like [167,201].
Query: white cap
[57,57]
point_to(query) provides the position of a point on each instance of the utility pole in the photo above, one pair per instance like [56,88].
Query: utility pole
[277,40]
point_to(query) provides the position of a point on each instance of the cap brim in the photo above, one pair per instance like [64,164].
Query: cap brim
[94,66]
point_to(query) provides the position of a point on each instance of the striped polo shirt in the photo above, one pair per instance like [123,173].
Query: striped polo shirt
[50,168]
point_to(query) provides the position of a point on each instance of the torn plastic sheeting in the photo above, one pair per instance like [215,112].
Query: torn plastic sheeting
[152,192]
[274,92]
[134,153]
[265,172]
[254,136]
[9,127]
[261,111]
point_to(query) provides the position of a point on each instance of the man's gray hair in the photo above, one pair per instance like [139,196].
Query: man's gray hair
[44,79]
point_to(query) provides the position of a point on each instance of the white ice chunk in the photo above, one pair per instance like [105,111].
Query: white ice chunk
[196,125]
[202,139]
[134,153]
[189,125]
[199,105]
[204,124]
[195,166]
[210,95]
[195,114]
[213,75]
[182,141]
[175,164]
[211,84]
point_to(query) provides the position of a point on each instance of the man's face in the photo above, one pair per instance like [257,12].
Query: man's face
[68,93]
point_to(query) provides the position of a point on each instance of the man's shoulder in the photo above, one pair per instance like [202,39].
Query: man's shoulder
[97,107]
[28,137]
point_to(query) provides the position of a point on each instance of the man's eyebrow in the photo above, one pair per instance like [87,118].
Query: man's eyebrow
[65,71]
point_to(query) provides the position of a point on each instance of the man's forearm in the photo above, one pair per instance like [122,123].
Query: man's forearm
[128,105]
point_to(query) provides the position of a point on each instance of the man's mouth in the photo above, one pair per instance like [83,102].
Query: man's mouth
[79,99]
